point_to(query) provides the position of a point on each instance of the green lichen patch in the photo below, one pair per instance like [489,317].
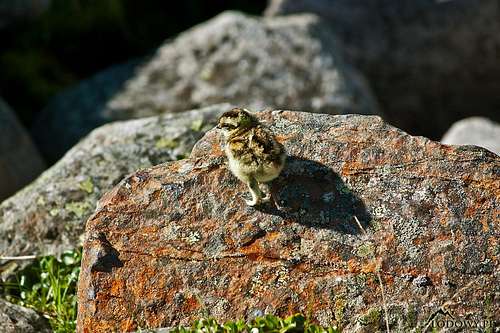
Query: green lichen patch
[365,250]
[340,304]
[40,201]
[87,185]
[163,143]
[197,125]
[78,208]
[371,317]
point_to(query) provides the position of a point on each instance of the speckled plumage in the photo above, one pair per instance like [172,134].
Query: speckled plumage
[254,155]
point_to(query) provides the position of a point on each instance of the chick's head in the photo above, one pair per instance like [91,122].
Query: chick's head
[236,120]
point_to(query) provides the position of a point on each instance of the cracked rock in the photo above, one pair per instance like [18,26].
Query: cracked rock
[189,244]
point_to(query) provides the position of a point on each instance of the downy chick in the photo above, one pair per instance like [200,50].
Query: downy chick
[255,157]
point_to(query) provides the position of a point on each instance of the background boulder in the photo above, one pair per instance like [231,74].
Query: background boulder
[48,216]
[475,131]
[176,242]
[18,319]
[292,62]
[430,62]
[20,161]
[75,112]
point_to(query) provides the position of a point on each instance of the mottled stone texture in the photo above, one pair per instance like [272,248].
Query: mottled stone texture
[176,241]
[430,62]
[293,62]
[18,319]
[48,216]
[20,161]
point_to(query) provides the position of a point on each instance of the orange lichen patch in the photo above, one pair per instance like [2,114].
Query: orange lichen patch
[217,150]
[117,287]
[484,223]
[458,237]
[444,218]
[190,304]
[493,248]
[284,138]
[351,168]
[128,325]
[388,279]
[256,251]
[151,229]
[443,237]
[353,266]
[372,266]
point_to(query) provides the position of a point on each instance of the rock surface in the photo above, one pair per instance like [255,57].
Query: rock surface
[18,319]
[48,216]
[430,62]
[292,62]
[20,161]
[174,242]
[475,131]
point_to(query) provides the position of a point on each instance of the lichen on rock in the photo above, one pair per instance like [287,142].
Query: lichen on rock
[48,216]
[184,243]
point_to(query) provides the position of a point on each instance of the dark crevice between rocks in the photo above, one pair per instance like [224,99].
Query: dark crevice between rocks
[312,194]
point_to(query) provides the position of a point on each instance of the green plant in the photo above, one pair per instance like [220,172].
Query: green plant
[49,287]
[267,324]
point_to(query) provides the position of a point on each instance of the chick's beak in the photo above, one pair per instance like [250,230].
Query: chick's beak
[218,126]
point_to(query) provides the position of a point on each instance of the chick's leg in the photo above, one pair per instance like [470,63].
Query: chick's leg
[256,192]
[266,189]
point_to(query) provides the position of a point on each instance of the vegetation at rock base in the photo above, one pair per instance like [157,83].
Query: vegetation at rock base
[49,287]
[268,324]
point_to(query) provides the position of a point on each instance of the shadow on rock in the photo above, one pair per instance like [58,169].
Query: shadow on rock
[312,194]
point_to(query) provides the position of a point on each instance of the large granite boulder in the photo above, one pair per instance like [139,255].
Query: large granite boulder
[292,62]
[475,131]
[20,161]
[49,215]
[430,62]
[18,319]
[177,242]
[75,112]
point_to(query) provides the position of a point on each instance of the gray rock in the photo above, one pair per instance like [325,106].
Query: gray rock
[18,319]
[20,161]
[475,131]
[430,62]
[49,215]
[75,112]
[293,62]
